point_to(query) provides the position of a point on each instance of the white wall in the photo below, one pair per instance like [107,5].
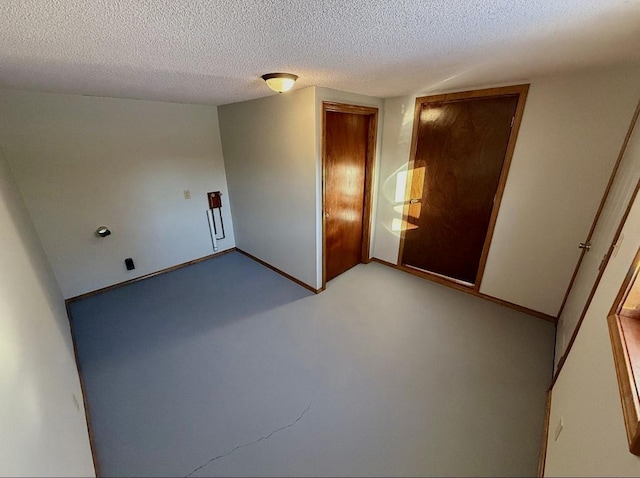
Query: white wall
[82,162]
[593,441]
[569,139]
[43,431]
[397,129]
[270,154]
[327,94]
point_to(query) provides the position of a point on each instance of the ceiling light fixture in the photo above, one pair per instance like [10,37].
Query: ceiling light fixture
[280,82]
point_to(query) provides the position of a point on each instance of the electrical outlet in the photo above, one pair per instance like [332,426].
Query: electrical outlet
[559,428]
[187,194]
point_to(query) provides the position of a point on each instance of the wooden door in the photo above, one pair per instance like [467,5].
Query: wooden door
[348,154]
[460,149]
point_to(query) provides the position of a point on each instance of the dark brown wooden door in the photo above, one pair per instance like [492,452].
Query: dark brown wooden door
[346,140]
[460,152]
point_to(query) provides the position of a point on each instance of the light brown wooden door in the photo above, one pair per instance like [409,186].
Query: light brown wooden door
[346,139]
[459,156]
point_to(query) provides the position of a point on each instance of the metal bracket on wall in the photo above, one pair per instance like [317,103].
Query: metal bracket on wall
[215,203]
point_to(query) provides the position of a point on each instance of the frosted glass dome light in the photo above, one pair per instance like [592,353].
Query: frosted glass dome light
[280,82]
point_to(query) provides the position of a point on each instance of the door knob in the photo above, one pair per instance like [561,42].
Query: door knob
[326,214]
[585,245]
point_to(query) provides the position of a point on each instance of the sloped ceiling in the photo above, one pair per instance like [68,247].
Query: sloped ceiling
[211,51]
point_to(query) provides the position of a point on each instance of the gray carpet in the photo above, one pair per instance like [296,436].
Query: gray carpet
[225,368]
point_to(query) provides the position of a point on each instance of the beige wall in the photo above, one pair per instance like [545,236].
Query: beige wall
[585,397]
[397,129]
[270,155]
[43,431]
[82,162]
[569,139]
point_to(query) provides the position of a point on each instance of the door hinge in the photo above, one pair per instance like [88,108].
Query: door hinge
[602,262]
[513,119]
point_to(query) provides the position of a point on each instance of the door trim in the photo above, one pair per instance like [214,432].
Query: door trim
[542,459]
[369,170]
[516,90]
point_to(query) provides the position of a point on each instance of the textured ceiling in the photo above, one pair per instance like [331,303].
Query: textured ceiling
[210,51]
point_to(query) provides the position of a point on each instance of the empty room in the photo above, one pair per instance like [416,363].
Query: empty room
[292,238]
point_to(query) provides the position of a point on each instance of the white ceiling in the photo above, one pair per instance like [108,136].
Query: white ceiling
[210,51]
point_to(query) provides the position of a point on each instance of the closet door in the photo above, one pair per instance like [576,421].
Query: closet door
[460,148]
[603,237]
